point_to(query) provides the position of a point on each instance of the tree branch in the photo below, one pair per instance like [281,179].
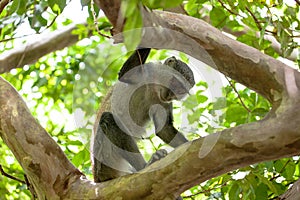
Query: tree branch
[293,193]
[45,164]
[274,43]
[238,61]
[112,11]
[204,158]
[3,3]
[29,53]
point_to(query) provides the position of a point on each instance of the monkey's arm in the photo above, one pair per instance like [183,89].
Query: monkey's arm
[139,57]
[164,128]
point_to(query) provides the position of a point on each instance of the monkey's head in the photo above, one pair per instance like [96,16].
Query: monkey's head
[182,68]
[181,82]
[169,81]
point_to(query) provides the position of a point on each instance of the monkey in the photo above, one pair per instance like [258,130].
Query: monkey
[143,93]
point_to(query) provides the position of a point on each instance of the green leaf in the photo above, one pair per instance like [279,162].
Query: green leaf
[201,98]
[202,83]
[286,168]
[192,8]
[261,192]
[40,82]
[61,4]
[57,6]
[236,113]
[278,165]
[289,171]
[22,7]
[194,117]
[269,183]
[129,7]
[132,31]
[80,158]
[202,1]
[132,39]
[191,102]
[249,21]
[132,28]
[220,103]
[104,25]
[14,6]
[234,191]
[234,25]
[37,21]
[269,165]
[75,142]
[218,17]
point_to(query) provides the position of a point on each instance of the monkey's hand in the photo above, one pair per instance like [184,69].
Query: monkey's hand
[159,154]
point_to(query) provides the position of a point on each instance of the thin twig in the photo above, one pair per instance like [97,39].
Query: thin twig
[52,22]
[96,21]
[284,166]
[30,188]
[230,11]
[140,58]
[152,143]
[10,176]
[235,90]
[255,19]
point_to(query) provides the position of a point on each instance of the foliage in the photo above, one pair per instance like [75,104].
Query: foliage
[277,18]
[21,11]
[260,181]
[76,79]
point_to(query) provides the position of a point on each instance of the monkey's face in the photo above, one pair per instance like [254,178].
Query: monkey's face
[163,82]
[182,68]
[181,82]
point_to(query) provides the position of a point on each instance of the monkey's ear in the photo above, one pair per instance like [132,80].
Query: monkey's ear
[139,57]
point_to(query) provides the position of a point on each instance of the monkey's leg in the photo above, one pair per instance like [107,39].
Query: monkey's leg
[165,129]
[122,144]
[107,162]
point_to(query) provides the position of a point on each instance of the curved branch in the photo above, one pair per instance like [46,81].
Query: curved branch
[45,164]
[29,53]
[204,158]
